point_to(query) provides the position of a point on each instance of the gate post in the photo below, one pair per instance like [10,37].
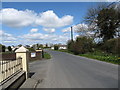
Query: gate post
[24,54]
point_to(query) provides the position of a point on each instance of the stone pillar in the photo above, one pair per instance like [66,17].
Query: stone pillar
[24,54]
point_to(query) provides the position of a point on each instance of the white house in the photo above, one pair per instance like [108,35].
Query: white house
[63,47]
[52,47]
[60,47]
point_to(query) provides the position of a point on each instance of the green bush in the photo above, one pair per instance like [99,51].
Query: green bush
[47,55]
[78,48]
[81,45]
[31,49]
[117,47]
[9,48]
[70,46]
[112,46]
[56,47]
[2,48]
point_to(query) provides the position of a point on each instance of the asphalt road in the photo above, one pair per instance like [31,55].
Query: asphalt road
[69,71]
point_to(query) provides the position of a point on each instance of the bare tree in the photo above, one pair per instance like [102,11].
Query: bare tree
[104,21]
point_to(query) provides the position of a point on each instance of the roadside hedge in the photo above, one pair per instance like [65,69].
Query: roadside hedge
[112,46]
[81,45]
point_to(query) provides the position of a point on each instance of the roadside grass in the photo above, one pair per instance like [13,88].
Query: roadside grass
[47,55]
[64,50]
[99,55]
[102,56]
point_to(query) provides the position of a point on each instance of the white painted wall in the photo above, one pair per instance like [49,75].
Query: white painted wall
[52,48]
[62,47]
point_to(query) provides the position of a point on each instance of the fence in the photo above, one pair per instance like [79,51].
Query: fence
[9,68]
[8,56]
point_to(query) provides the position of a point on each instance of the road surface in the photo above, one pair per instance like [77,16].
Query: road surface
[69,71]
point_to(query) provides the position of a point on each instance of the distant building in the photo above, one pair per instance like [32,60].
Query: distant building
[44,45]
[14,48]
[63,47]
[52,47]
[6,50]
[60,47]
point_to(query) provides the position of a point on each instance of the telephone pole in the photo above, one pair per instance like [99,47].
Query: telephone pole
[71,33]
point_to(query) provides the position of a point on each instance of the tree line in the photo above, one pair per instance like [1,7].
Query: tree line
[3,47]
[104,22]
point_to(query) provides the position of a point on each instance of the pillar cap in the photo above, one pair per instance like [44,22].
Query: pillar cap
[39,50]
[22,49]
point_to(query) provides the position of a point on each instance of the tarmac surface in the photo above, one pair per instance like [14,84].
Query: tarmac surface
[65,70]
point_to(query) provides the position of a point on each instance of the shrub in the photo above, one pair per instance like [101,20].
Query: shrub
[78,47]
[31,49]
[9,48]
[70,46]
[47,55]
[112,46]
[117,46]
[56,47]
[81,45]
[2,48]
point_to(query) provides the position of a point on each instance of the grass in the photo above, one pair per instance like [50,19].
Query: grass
[47,55]
[64,50]
[99,55]
[102,56]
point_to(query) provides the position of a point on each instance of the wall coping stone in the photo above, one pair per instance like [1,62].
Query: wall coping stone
[21,49]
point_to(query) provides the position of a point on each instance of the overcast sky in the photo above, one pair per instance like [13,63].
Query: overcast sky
[40,22]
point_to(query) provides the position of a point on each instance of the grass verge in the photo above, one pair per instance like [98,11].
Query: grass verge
[99,55]
[47,55]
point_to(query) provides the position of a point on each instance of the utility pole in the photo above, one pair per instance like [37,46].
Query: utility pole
[71,33]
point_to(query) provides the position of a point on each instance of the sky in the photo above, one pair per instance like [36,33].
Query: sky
[59,0]
[41,22]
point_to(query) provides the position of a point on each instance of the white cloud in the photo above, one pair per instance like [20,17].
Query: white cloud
[14,18]
[33,30]
[37,37]
[51,30]
[31,38]
[6,37]
[66,30]
[77,28]
[19,18]
[50,19]
[81,29]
